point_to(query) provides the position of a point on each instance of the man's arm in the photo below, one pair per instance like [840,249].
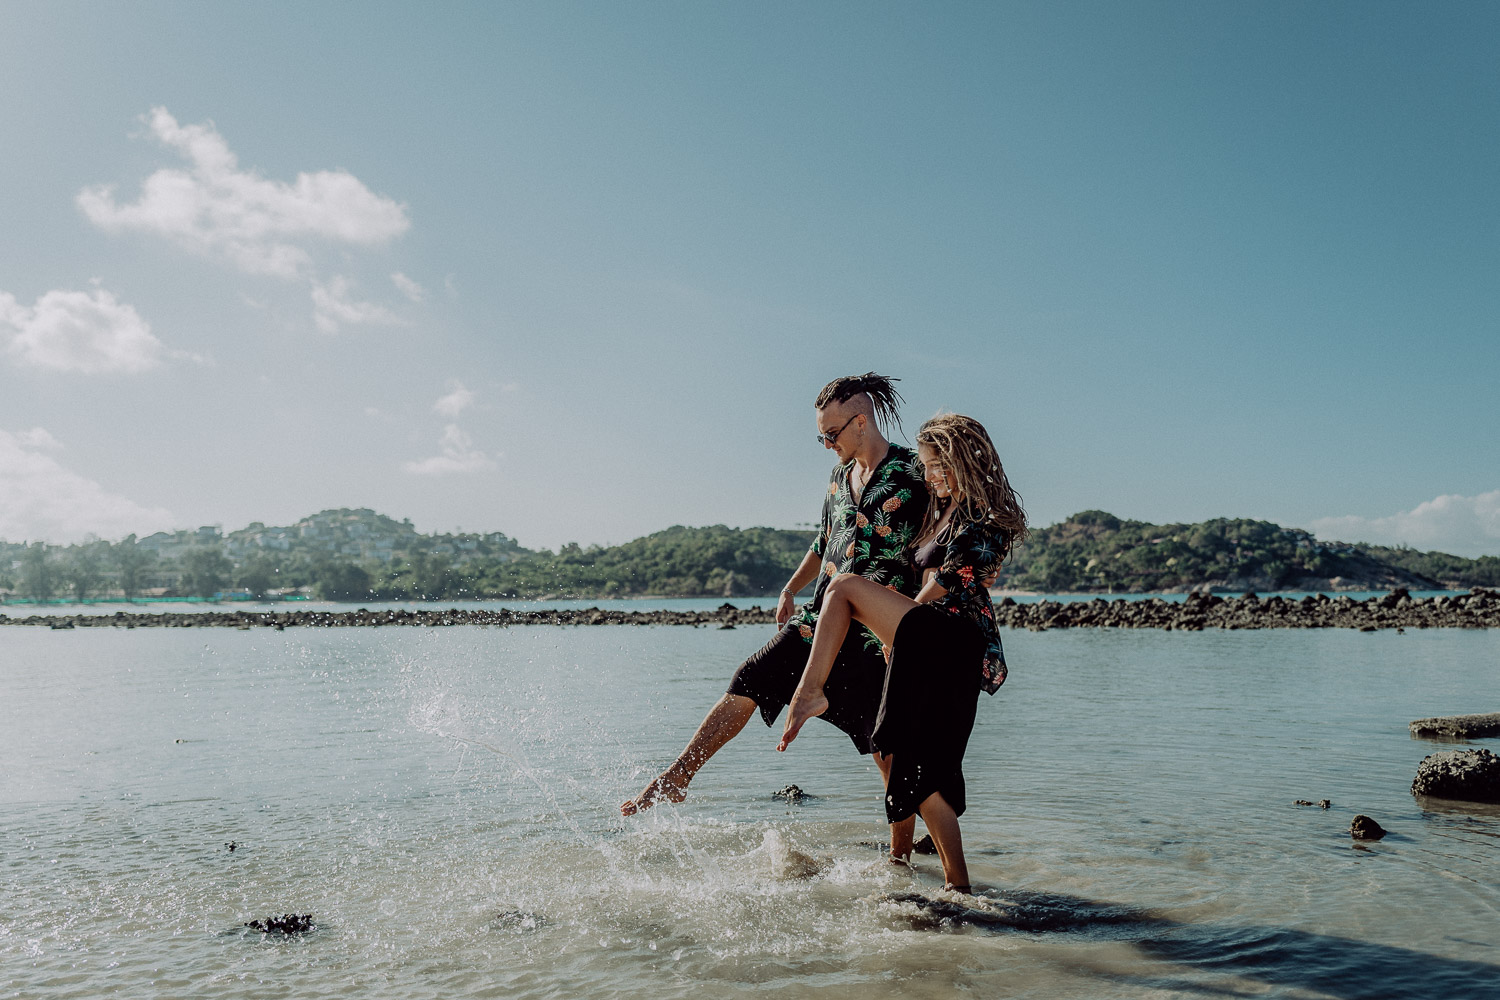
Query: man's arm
[807,571]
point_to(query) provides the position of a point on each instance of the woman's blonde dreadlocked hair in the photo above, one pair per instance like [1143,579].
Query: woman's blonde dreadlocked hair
[975,475]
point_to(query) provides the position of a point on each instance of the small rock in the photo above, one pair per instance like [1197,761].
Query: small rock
[791,793]
[1324,804]
[287,923]
[1365,828]
[1303,802]
[231,845]
[1471,775]
[924,845]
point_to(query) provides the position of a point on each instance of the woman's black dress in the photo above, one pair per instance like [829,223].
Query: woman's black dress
[944,653]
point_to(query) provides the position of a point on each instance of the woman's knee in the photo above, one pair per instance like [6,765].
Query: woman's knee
[841,585]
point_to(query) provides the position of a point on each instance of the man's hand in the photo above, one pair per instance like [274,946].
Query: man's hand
[784,607]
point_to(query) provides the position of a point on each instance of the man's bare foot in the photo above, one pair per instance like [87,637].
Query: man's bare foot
[671,786]
[805,705]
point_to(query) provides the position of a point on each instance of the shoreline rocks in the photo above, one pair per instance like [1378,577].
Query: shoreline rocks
[1480,608]
[1470,775]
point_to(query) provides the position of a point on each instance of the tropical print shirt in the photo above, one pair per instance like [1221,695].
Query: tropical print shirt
[869,536]
[972,556]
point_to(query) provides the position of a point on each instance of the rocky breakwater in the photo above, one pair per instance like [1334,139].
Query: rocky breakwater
[725,614]
[1395,610]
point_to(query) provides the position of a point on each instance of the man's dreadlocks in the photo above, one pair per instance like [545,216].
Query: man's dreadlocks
[880,389]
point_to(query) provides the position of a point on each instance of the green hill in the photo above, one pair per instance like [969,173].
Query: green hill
[1095,551]
[359,555]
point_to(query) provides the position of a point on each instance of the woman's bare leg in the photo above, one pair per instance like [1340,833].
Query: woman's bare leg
[848,598]
[722,724]
[942,823]
[902,832]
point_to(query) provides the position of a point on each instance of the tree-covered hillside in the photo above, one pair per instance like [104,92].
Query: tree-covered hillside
[1096,551]
[678,561]
[1454,572]
[359,555]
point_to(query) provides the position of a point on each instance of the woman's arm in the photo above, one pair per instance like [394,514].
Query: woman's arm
[971,562]
[931,590]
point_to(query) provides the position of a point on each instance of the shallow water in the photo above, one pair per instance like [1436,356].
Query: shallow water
[444,802]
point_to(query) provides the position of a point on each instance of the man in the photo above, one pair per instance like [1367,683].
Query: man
[874,507]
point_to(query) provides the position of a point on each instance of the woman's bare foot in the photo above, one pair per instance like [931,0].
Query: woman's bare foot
[805,705]
[671,786]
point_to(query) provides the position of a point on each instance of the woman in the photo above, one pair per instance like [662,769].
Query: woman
[944,646]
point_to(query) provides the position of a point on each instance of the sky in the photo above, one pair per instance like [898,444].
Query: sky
[576,272]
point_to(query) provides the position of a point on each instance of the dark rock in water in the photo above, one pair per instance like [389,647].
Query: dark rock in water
[1458,726]
[791,793]
[1324,804]
[924,845]
[1321,803]
[1365,828]
[287,923]
[231,845]
[1472,775]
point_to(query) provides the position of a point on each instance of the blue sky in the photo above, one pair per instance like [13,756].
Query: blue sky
[577,271]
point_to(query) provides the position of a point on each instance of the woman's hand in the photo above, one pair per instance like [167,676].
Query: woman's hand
[785,605]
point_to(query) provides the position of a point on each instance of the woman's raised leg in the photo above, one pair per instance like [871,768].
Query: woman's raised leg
[848,598]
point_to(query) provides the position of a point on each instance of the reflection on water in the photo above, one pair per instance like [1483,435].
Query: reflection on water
[444,803]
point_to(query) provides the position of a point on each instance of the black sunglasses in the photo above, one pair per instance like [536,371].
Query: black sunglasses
[833,436]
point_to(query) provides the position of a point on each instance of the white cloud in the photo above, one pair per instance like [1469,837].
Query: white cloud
[261,226]
[332,307]
[40,499]
[457,454]
[1465,526]
[455,402]
[87,332]
[409,288]
[37,438]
